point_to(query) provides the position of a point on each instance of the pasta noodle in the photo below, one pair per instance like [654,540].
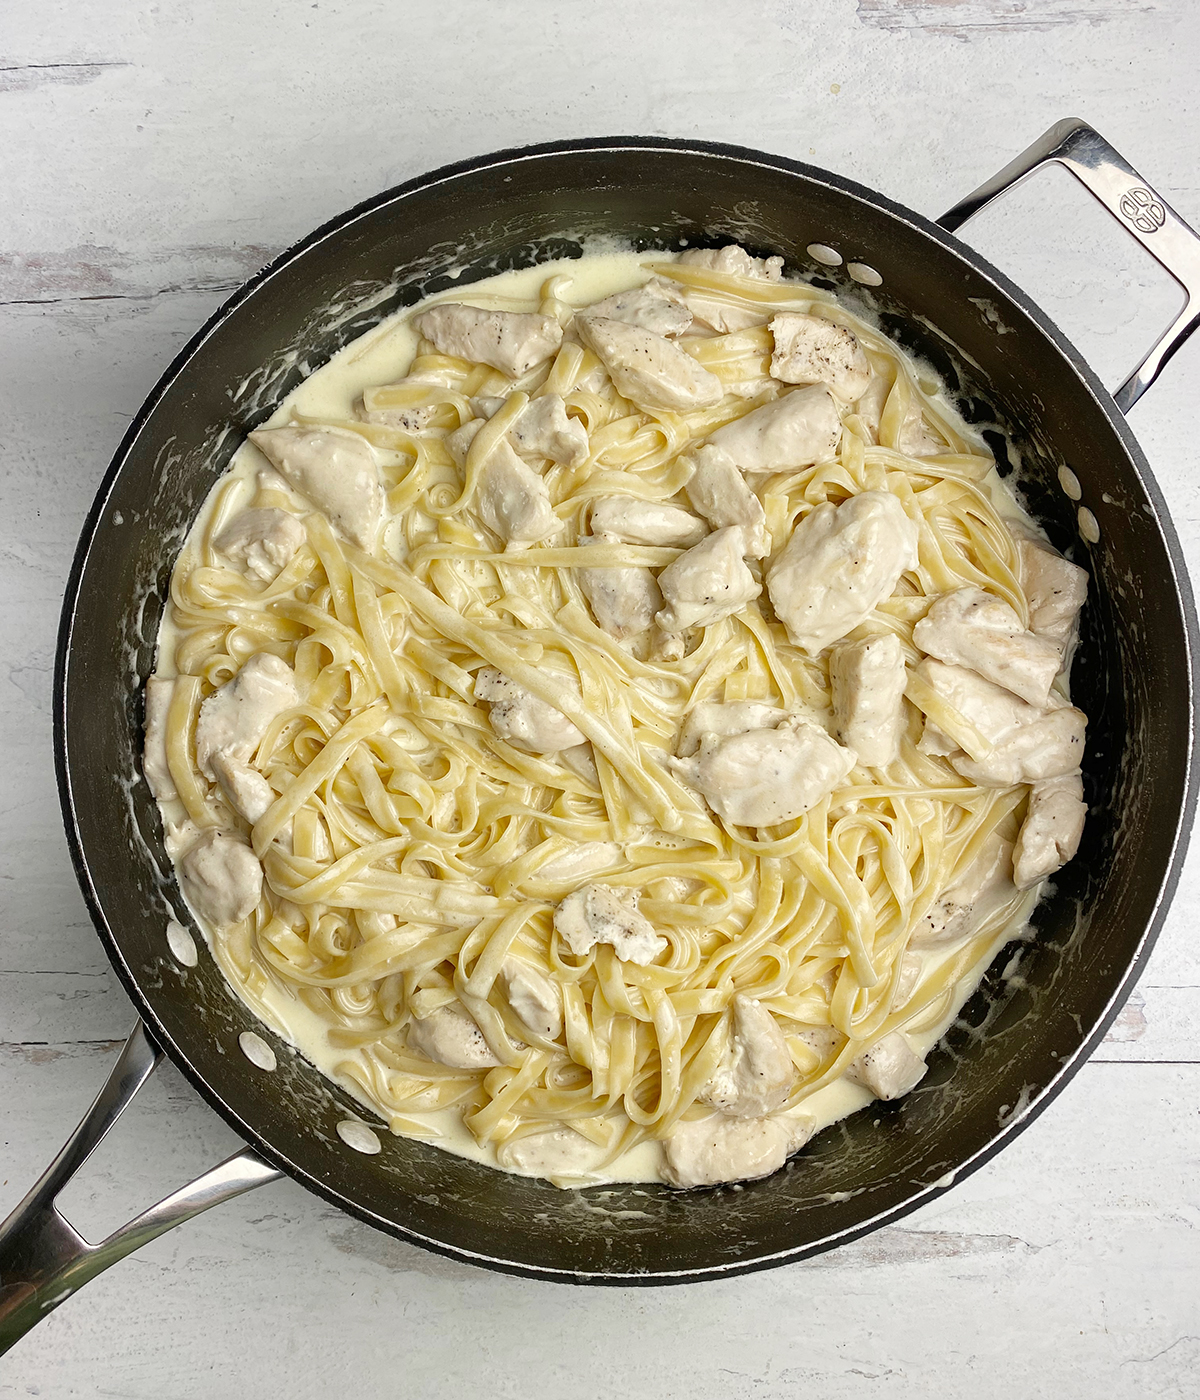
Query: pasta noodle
[416,858]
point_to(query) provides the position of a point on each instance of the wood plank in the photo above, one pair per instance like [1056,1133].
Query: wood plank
[154,158]
[962,19]
[1070,1256]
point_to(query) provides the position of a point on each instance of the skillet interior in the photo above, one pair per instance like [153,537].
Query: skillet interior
[1132,676]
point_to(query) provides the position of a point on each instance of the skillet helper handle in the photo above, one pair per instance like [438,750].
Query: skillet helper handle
[1133,203]
[43,1259]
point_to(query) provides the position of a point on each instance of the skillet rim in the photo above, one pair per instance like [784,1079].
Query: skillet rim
[1103,401]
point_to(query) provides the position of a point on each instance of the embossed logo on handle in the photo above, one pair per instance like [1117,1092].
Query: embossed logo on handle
[1143,211]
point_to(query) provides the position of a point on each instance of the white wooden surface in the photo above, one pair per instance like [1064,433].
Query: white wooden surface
[153,157]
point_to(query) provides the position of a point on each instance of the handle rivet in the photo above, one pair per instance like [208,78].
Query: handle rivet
[1070,483]
[865,275]
[256,1050]
[182,944]
[358,1136]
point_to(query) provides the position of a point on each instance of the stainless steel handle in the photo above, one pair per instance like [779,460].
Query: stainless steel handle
[43,1259]
[1133,203]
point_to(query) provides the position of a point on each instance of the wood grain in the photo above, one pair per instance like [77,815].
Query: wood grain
[964,18]
[154,157]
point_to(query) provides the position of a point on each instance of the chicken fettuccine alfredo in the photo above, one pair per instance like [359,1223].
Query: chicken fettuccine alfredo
[610,720]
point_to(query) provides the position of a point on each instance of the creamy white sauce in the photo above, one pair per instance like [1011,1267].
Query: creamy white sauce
[383,356]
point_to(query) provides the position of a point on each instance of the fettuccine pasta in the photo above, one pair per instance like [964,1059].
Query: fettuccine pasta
[468,788]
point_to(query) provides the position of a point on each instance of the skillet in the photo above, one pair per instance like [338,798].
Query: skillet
[1018,1040]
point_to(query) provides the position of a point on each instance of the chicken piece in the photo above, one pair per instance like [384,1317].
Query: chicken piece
[553,1153]
[868,680]
[513,501]
[155,768]
[234,718]
[1055,589]
[812,350]
[623,600]
[717,1149]
[719,492]
[544,429]
[451,1037]
[510,341]
[221,879]
[645,522]
[709,308]
[756,1074]
[1051,831]
[604,914]
[723,721]
[535,1000]
[178,836]
[1029,744]
[795,430]
[1047,746]
[734,261]
[840,563]
[656,307]
[522,719]
[985,885]
[244,787]
[977,630]
[649,370]
[992,709]
[766,776]
[269,482]
[336,469]
[263,541]
[707,583]
[889,1069]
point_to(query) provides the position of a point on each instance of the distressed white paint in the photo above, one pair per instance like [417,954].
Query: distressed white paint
[157,156]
